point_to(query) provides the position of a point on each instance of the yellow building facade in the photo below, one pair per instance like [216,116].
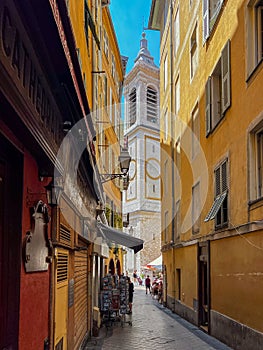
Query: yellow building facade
[211,137]
[102,73]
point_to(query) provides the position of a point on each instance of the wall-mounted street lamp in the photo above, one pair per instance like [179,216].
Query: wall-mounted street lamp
[53,194]
[124,160]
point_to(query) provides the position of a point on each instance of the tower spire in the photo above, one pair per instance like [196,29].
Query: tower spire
[144,54]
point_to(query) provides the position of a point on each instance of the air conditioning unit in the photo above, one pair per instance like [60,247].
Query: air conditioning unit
[105,3]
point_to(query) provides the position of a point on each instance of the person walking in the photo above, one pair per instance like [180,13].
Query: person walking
[148,284]
[135,276]
[131,291]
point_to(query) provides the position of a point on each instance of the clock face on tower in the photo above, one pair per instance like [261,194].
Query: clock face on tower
[153,168]
[132,169]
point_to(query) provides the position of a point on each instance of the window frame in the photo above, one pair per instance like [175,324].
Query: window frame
[176,31]
[177,95]
[210,16]
[254,16]
[220,208]
[132,99]
[151,104]
[195,124]
[193,52]
[196,210]
[218,86]
[165,73]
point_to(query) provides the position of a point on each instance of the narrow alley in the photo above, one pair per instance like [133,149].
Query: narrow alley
[153,327]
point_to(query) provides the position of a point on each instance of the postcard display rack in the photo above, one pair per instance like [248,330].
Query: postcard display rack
[124,299]
[110,301]
[115,301]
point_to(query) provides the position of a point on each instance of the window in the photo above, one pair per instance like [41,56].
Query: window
[196,210]
[254,34]
[106,44]
[195,119]
[176,32]
[89,23]
[165,13]
[105,92]
[113,68]
[165,75]
[151,104]
[193,52]
[177,161]
[166,125]
[177,95]
[219,210]
[217,91]
[177,219]
[256,163]
[166,227]
[79,57]
[211,10]
[110,107]
[178,283]
[132,107]
[166,177]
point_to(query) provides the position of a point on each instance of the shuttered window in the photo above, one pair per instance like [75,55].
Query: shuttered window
[211,10]
[132,107]
[219,209]
[64,235]
[151,105]
[193,52]
[177,219]
[196,210]
[218,91]
[62,267]
[89,23]
[225,69]
[208,105]
[205,19]
[176,32]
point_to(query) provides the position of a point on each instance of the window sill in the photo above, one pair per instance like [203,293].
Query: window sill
[253,204]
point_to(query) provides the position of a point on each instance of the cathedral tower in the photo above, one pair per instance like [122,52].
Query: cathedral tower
[142,200]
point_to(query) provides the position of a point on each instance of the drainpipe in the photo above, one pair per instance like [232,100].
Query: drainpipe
[172,143]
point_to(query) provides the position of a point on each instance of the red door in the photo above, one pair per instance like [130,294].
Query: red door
[11,176]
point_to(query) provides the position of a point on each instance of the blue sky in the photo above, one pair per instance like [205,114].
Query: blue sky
[128,18]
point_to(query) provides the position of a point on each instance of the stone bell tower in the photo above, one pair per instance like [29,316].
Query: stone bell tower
[142,200]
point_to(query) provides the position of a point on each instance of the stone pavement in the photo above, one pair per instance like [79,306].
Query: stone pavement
[153,327]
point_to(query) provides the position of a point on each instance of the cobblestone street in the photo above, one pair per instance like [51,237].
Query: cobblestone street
[153,327]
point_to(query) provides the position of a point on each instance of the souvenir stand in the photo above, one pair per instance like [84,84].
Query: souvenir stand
[110,301]
[124,299]
[114,300]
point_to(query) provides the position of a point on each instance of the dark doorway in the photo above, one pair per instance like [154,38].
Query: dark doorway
[204,290]
[11,179]
[111,267]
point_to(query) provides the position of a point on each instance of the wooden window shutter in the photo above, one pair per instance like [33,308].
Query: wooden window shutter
[224,177]
[62,267]
[205,20]
[225,71]
[208,105]
[218,181]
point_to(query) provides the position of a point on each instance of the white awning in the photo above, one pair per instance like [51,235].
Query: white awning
[157,262]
